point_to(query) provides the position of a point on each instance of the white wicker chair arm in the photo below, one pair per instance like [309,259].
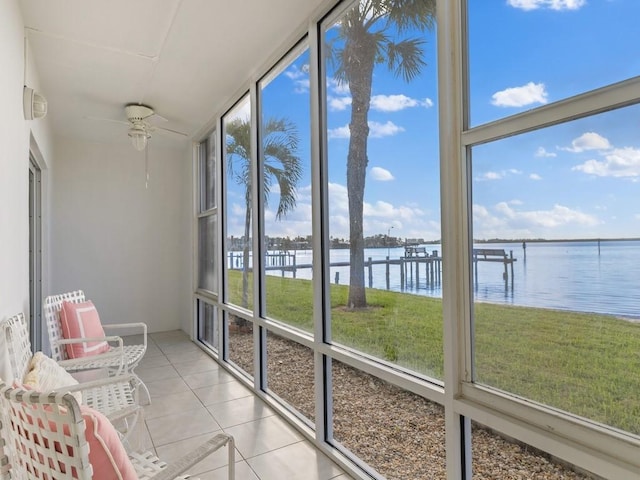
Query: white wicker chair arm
[120,379]
[122,326]
[181,465]
[111,338]
[105,359]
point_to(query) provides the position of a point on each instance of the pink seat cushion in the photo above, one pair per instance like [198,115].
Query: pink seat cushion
[81,320]
[107,455]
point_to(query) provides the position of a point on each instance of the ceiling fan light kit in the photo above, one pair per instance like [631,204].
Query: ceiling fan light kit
[139,136]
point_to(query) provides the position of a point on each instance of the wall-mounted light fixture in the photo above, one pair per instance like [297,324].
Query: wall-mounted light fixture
[34,104]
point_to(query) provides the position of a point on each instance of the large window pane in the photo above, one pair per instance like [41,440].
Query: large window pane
[286,169]
[383,185]
[238,206]
[207,277]
[208,173]
[495,457]
[290,374]
[208,325]
[240,342]
[563,330]
[398,433]
[526,53]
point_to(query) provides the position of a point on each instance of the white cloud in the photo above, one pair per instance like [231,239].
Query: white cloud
[493,176]
[535,176]
[395,103]
[620,162]
[588,141]
[499,175]
[299,77]
[407,220]
[559,215]
[520,96]
[378,130]
[542,152]
[337,87]
[511,220]
[338,103]
[340,132]
[551,4]
[381,174]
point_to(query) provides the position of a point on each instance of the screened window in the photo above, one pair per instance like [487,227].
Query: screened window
[383,186]
[286,178]
[525,54]
[560,328]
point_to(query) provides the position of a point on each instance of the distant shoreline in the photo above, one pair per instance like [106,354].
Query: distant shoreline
[547,240]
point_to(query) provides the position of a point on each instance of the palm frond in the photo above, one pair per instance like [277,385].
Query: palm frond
[405,58]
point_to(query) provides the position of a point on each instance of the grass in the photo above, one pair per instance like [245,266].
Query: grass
[586,364]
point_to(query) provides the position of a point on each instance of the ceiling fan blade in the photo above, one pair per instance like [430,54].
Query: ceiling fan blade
[171,131]
[156,116]
[100,119]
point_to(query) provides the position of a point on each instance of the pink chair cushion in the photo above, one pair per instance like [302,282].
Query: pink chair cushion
[107,455]
[81,320]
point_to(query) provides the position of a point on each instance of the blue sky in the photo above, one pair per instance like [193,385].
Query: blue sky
[574,180]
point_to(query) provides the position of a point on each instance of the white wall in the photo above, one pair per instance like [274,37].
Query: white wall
[14,168]
[128,247]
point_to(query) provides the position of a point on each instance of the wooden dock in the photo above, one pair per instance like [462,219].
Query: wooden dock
[417,267]
[493,255]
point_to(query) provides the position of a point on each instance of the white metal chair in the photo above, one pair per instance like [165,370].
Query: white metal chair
[44,438]
[119,358]
[115,397]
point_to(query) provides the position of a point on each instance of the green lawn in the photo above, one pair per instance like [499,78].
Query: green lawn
[583,363]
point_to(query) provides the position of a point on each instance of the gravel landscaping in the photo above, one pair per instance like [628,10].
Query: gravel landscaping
[399,434]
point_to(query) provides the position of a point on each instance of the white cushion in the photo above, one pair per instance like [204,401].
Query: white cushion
[46,375]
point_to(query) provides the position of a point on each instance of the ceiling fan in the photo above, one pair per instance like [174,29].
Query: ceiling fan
[139,120]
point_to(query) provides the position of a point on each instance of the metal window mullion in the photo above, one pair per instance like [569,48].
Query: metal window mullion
[196,204]
[221,247]
[257,204]
[614,96]
[319,228]
[455,229]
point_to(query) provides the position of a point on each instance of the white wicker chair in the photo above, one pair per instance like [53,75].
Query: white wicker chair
[44,438]
[115,397]
[120,358]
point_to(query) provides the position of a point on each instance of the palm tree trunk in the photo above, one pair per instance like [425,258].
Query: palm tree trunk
[360,78]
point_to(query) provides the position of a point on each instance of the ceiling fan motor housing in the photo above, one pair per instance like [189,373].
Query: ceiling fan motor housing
[138,113]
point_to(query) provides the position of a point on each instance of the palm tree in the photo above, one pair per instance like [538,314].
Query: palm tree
[364,41]
[280,165]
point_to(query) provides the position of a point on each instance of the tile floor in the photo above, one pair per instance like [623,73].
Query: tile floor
[192,398]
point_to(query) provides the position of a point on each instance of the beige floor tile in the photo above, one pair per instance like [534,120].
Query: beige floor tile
[159,360]
[263,435]
[207,378]
[177,357]
[222,392]
[243,472]
[299,461]
[173,451]
[172,404]
[200,365]
[180,426]
[241,410]
[153,374]
[167,386]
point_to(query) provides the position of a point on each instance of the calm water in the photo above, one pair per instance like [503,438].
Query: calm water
[562,275]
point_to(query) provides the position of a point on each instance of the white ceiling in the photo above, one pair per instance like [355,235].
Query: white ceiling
[184,58]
